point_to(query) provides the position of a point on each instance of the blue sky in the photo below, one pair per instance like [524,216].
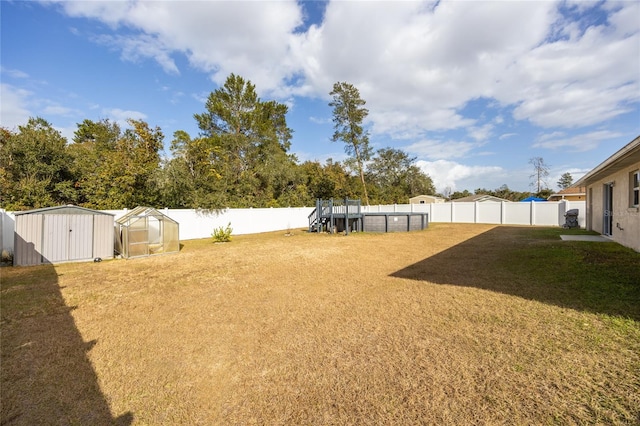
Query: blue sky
[473,90]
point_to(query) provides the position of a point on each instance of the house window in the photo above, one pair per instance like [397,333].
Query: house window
[635,189]
[421,201]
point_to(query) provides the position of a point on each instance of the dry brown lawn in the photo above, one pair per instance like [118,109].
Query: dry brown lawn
[430,327]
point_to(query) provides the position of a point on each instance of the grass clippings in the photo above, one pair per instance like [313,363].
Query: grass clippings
[457,324]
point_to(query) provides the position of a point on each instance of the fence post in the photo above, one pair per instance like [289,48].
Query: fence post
[532,213]
[562,210]
[476,212]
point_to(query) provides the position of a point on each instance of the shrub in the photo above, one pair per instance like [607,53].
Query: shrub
[7,257]
[222,235]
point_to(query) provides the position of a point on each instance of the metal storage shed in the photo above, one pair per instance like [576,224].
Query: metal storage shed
[62,234]
[145,231]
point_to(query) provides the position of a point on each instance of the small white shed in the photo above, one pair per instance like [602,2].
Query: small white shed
[62,234]
[426,199]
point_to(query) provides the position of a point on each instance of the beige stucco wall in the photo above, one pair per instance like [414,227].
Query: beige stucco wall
[427,199]
[626,219]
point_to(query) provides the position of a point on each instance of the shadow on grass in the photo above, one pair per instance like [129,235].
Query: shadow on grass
[46,376]
[533,263]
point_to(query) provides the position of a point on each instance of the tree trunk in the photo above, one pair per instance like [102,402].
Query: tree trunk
[364,185]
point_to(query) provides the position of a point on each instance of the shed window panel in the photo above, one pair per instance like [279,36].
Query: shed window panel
[635,189]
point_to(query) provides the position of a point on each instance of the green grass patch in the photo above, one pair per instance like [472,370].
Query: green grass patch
[594,276]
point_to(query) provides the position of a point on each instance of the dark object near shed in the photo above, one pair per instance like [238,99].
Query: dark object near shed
[571,219]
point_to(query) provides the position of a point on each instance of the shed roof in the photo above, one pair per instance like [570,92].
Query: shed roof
[142,211]
[68,209]
[479,198]
[571,191]
[435,197]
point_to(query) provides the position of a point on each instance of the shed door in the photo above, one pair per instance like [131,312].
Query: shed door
[67,237]
[80,237]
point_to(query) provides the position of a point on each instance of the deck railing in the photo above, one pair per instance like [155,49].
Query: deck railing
[327,210]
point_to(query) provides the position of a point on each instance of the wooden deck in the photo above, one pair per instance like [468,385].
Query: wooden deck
[347,216]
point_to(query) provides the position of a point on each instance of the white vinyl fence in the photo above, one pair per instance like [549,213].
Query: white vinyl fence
[550,213]
[197,224]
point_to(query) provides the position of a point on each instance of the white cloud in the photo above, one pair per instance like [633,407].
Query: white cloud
[584,78]
[247,38]
[440,150]
[121,116]
[55,109]
[13,73]
[481,133]
[14,106]
[449,174]
[507,135]
[417,64]
[136,48]
[574,142]
[320,120]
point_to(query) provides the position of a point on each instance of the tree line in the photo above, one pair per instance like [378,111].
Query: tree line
[239,158]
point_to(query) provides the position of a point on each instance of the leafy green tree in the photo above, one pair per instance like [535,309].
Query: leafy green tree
[34,167]
[116,169]
[502,192]
[461,194]
[396,178]
[544,193]
[566,180]
[242,148]
[331,180]
[348,116]
[175,183]
[139,152]
[93,146]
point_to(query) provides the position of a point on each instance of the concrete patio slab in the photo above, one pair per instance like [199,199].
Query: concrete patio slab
[594,238]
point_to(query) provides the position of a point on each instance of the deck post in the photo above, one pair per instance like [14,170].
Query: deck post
[331,216]
[346,216]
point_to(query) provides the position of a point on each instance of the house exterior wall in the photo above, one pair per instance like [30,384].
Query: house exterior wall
[626,219]
[425,199]
[568,197]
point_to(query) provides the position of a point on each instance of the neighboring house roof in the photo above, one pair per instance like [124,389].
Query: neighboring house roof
[574,191]
[69,209]
[431,197]
[480,198]
[625,157]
